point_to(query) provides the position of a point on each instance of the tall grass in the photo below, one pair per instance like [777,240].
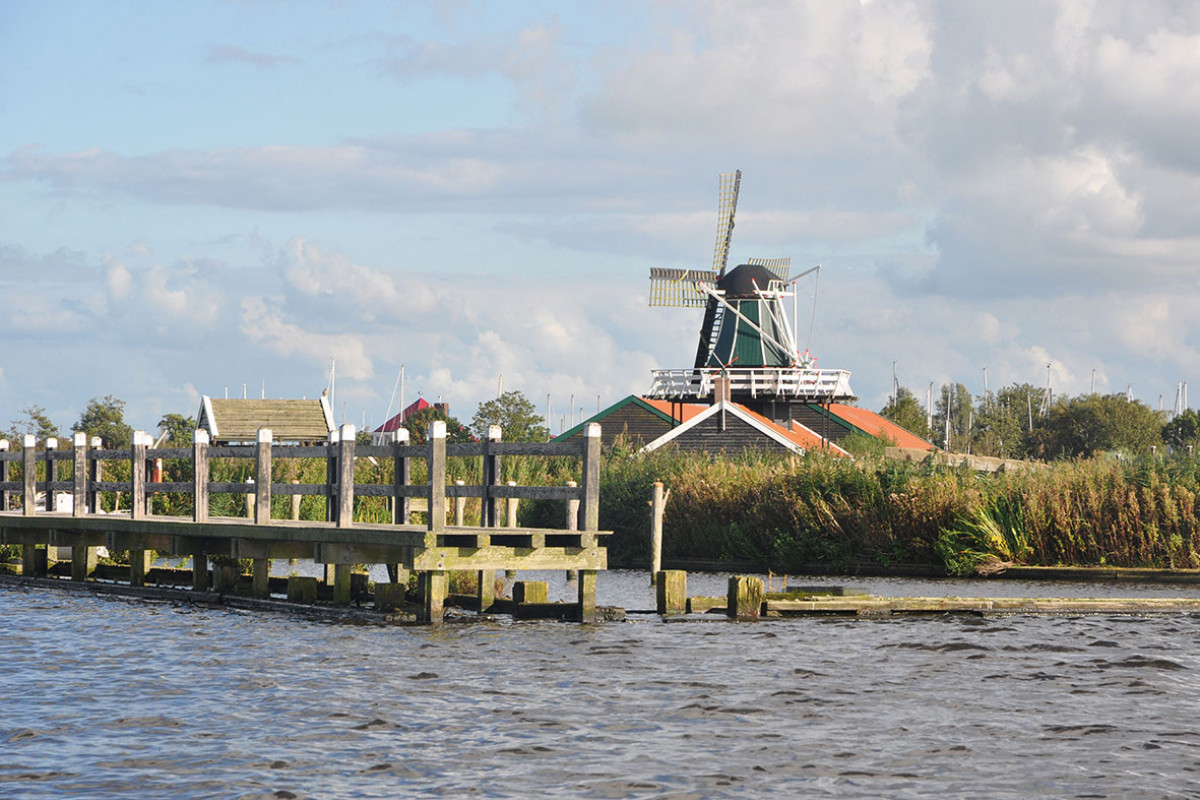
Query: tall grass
[788,512]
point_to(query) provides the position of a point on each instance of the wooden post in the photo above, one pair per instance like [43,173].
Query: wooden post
[572,525]
[48,492]
[34,560]
[658,502]
[486,579]
[4,475]
[401,476]
[295,501]
[591,478]
[489,511]
[511,505]
[341,583]
[139,565]
[432,586]
[531,592]
[745,597]
[301,590]
[437,480]
[261,586]
[200,476]
[83,562]
[29,475]
[200,571]
[249,509]
[95,471]
[672,592]
[587,595]
[460,505]
[345,472]
[79,497]
[331,476]
[137,491]
[262,476]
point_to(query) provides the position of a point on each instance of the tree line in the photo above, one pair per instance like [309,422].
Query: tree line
[104,417]
[1021,421]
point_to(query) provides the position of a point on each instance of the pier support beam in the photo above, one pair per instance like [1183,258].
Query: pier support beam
[486,579]
[432,586]
[587,595]
[745,597]
[34,560]
[341,584]
[139,565]
[83,562]
[671,594]
[200,572]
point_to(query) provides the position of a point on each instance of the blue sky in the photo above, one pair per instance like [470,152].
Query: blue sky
[196,197]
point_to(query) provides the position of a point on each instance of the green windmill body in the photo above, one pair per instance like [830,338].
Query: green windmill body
[752,331]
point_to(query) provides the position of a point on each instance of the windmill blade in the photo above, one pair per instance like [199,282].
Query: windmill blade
[677,288]
[727,197]
[779,266]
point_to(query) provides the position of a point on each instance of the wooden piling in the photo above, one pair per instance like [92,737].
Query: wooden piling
[262,477]
[436,515]
[489,512]
[29,475]
[200,572]
[137,459]
[460,505]
[531,592]
[139,565]
[4,445]
[587,595]
[79,492]
[200,476]
[432,587]
[510,509]
[487,588]
[671,594]
[345,471]
[83,562]
[301,589]
[389,596]
[341,584]
[658,503]
[745,597]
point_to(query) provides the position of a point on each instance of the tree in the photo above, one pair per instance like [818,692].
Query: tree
[36,423]
[105,417]
[418,425]
[178,429]
[513,412]
[906,411]
[1089,424]
[1183,431]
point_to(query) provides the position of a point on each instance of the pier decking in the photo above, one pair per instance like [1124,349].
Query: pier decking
[432,549]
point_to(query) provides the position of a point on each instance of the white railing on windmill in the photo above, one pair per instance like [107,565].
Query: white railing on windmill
[746,332]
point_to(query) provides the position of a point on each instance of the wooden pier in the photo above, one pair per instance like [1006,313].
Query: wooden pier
[432,550]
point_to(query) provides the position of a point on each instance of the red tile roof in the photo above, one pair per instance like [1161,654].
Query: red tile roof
[872,423]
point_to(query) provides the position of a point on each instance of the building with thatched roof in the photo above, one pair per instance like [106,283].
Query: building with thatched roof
[298,421]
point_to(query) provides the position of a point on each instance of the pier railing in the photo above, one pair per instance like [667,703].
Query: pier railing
[42,472]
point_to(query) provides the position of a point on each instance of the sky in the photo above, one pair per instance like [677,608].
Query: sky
[226,197]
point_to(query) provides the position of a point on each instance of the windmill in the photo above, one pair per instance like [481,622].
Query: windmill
[745,332]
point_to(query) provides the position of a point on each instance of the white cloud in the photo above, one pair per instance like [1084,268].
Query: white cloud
[264,324]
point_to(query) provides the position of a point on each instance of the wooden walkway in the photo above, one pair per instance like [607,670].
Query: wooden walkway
[432,549]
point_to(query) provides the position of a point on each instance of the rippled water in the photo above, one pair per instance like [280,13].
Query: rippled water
[107,697]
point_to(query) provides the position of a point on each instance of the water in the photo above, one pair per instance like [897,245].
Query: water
[112,698]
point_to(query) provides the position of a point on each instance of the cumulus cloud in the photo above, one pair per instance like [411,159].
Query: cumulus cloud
[264,323]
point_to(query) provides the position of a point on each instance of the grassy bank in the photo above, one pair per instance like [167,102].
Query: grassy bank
[790,512]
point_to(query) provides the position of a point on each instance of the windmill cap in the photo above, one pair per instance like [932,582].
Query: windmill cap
[741,281]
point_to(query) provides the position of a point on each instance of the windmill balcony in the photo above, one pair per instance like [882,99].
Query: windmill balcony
[817,385]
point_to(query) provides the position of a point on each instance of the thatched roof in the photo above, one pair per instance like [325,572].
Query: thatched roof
[289,420]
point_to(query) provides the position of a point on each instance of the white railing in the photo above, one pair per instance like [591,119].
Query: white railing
[823,384]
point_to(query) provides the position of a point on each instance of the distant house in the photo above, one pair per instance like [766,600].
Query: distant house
[730,427]
[292,421]
[378,436]
[650,423]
